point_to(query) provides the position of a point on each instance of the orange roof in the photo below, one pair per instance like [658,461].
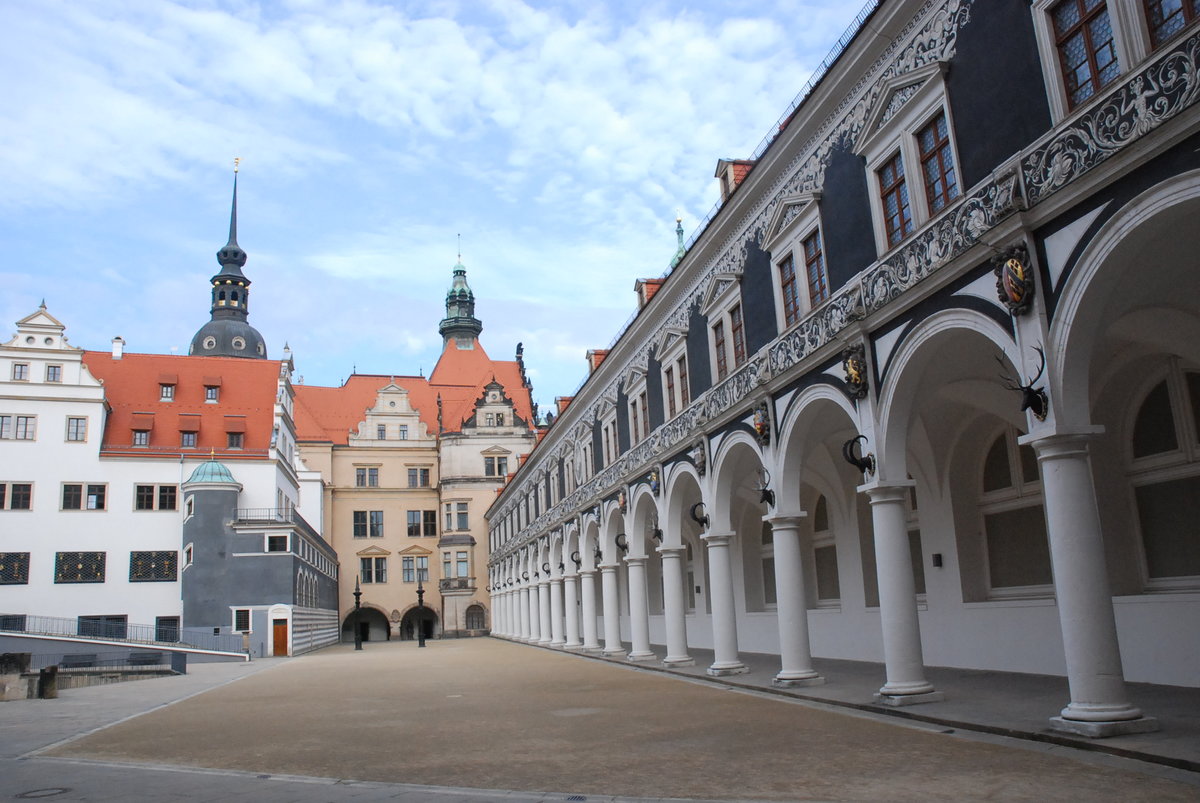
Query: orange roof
[246,402]
[460,376]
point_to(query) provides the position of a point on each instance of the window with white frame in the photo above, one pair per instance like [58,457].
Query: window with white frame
[16,496]
[373,570]
[726,325]
[912,162]
[20,372]
[1166,18]
[76,429]
[800,279]
[54,373]
[166,392]
[671,352]
[825,562]
[1014,525]
[18,427]
[78,496]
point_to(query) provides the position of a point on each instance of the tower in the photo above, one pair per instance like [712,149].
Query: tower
[227,333]
[460,323]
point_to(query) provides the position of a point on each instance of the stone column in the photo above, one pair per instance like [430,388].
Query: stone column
[543,595]
[1099,705]
[724,613]
[571,610]
[587,590]
[556,612]
[523,611]
[673,606]
[612,611]
[639,611]
[904,662]
[791,598]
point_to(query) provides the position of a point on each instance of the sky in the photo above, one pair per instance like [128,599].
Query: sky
[559,139]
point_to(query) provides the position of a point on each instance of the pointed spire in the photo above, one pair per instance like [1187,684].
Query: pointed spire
[680,250]
[231,256]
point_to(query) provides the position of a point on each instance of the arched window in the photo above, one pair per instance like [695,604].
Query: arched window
[1014,524]
[1165,474]
[233,299]
[825,556]
[221,298]
[475,618]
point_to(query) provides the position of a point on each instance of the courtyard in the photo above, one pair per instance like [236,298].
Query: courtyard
[483,714]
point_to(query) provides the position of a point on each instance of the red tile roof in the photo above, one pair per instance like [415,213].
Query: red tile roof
[132,388]
[460,376]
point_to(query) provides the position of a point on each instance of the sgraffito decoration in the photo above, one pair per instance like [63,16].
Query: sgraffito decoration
[1014,279]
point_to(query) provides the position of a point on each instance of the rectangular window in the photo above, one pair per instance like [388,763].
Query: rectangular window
[6,426]
[241,620]
[372,478]
[233,440]
[277,543]
[429,522]
[787,287]
[187,440]
[102,627]
[20,496]
[153,567]
[143,497]
[366,570]
[166,392]
[376,520]
[166,628]
[26,427]
[414,523]
[79,567]
[1167,17]
[380,570]
[167,496]
[95,497]
[737,332]
[360,477]
[418,478]
[360,524]
[1017,549]
[634,420]
[403,432]
[212,394]
[446,570]
[76,429]
[1083,36]
[449,511]
[72,497]
[53,373]
[495,466]
[14,568]
[645,411]
[423,568]
[20,372]
[937,163]
[684,398]
[814,268]
[893,191]
[460,564]
[669,381]
[408,575]
[381,432]
[141,437]
[826,568]
[461,520]
[719,346]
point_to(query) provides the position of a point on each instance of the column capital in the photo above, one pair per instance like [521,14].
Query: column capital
[635,560]
[671,551]
[609,567]
[556,580]
[789,520]
[714,538]
[587,572]
[887,492]
[1062,443]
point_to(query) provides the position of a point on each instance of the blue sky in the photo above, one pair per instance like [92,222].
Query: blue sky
[559,139]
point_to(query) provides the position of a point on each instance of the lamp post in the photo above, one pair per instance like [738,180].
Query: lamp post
[420,611]
[357,605]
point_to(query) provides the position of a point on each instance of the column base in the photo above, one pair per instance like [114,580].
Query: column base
[783,681]
[1102,730]
[558,645]
[685,660]
[592,650]
[731,668]
[897,700]
[641,657]
[576,647]
[543,642]
[613,653]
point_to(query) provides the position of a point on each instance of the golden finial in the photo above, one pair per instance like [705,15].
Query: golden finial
[212,453]
[236,161]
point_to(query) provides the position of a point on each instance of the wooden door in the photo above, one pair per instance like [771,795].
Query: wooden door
[280,636]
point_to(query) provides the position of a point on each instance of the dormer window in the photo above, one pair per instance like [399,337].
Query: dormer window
[212,394]
[141,437]
[166,392]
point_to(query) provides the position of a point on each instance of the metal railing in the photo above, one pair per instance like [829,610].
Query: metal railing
[199,638]
[277,515]
[456,584]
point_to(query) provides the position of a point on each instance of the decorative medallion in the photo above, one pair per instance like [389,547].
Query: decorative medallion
[622,500]
[854,364]
[654,484]
[762,424]
[700,458]
[1014,279]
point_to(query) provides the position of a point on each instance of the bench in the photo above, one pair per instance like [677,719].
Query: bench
[145,658]
[77,661]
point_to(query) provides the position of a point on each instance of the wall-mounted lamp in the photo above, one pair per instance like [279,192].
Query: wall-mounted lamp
[546,568]
[575,557]
[622,543]
[699,515]
[525,576]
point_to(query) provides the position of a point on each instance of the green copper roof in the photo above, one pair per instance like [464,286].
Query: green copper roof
[212,471]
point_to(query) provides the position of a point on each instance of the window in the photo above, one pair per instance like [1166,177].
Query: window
[79,567]
[167,496]
[737,332]
[166,628]
[893,190]
[787,287]
[423,568]
[76,429]
[407,572]
[456,515]
[278,543]
[461,521]
[767,552]
[360,524]
[718,333]
[447,570]
[1083,37]
[19,495]
[414,524]
[937,163]
[1165,474]
[143,497]
[25,428]
[403,432]
[74,498]
[461,564]
[495,466]
[14,568]
[187,440]
[20,372]
[376,524]
[418,478]
[684,399]
[1014,525]
[212,394]
[825,565]
[241,620]
[166,393]
[489,419]
[54,373]
[381,432]
[153,567]
[103,626]
[669,389]
[1168,17]
[413,567]
[234,440]
[141,437]
[814,266]
[429,520]
[366,477]
[373,570]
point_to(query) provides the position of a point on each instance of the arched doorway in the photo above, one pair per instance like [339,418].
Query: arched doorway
[427,618]
[476,620]
[372,624]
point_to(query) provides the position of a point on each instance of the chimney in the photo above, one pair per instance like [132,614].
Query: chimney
[561,402]
[731,173]
[594,358]
[118,347]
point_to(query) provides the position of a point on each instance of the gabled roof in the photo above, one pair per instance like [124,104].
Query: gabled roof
[132,389]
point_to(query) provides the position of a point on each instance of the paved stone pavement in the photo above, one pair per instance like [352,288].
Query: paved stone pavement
[468,720]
